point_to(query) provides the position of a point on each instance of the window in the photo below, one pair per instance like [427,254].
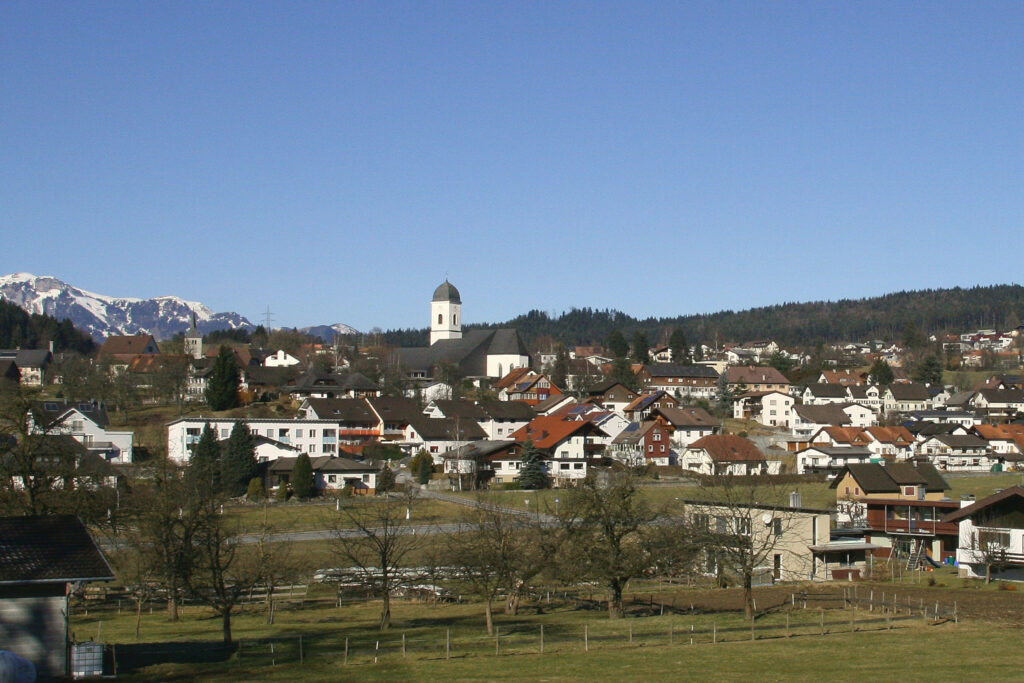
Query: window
[656,436]
[662,448]
[312,448]
[777,526]
[440,318]
[577,466]
[298,434]
[650,449]
[270,432]
[565,465]
[331,478]
[908,490]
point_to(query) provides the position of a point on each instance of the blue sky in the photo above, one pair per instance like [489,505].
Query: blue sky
[334,161]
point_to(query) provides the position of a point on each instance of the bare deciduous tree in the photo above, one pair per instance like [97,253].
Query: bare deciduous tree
[375,537]
[605,527]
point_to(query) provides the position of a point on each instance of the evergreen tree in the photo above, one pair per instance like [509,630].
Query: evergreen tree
[222,385]
[617,344]
[532,474]
[302,477]
[204,465]
[560,368]
[929,371]
[679,347]
[622,372]
[641,347]
[238,464]
[880,372]
[255,490]
[386,480]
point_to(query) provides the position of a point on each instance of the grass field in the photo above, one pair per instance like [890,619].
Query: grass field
[578,643]
[323,515]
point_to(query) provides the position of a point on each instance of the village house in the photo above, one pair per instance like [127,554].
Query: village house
[88,424]
[963,453]
[905,398]
[726,454]
[830,460]
[899,508]
[688,424]
[771,408]
[990,535]
[821,394]
[680,381]
[568,446]
[788,543]
[756,379]
[809,419]
[439,435]
[643,443]
[32,364]
[330,474]
[613,395]
[640,408]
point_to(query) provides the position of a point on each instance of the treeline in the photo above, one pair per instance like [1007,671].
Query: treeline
[19,329]
[790,324]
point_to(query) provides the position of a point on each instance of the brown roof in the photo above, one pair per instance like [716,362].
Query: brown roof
[119,345]
[728,448]
[978,506]
[742,374]
[549,431]
[687,417]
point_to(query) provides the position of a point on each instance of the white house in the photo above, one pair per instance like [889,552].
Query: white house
[89,425]
[991,535]
[771,408]
[280,359]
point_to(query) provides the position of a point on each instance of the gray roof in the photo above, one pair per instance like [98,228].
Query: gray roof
[469,353]
[909,392]
[671,370]
[507,410]
[50,549]
[445,429]
[446,292]
[687,417]
[27,358]
[824,390]
[478,449]
[827,414]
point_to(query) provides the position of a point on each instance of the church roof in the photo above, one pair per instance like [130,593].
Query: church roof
[446,292]
[469,353]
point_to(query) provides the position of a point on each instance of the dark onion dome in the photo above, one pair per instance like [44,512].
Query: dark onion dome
[446,292]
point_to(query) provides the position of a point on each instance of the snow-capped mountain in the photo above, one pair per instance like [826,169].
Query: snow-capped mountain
[328,332]
[102,316]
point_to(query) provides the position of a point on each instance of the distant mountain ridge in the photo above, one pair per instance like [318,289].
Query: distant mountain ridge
[101,316]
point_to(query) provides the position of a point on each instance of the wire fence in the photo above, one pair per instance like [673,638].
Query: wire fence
[803,615]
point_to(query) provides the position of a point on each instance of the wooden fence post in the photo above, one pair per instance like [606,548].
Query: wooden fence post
[497,637]
[714,631]
[346,652]
[542,638]
[787,624]
[822,621]
[403,644]
[376,651]
[447,643]
[301,658]
[853,619]
[586,638]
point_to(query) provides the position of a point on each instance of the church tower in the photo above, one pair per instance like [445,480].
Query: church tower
[194,341]
[445,313]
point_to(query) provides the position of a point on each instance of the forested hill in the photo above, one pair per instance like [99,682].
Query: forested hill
[790,324]
[20,330]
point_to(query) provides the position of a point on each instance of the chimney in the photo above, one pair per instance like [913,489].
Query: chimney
[794,500]
[51,346]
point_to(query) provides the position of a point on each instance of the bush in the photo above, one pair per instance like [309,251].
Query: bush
[511,486]
[282,492]
[255,491]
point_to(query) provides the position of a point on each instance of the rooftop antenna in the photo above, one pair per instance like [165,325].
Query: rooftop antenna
[268,318]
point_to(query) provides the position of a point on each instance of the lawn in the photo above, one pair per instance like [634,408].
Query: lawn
[323,515]
[578,643]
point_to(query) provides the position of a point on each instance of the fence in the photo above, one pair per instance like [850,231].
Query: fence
[541,640]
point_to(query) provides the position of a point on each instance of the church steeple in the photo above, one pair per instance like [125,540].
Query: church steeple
[445,313]
[194,340]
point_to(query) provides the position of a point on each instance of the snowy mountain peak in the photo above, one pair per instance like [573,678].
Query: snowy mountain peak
[102,316]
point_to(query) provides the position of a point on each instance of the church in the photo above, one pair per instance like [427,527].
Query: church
[478,354]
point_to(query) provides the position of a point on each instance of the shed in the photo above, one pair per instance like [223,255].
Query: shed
[42,559]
